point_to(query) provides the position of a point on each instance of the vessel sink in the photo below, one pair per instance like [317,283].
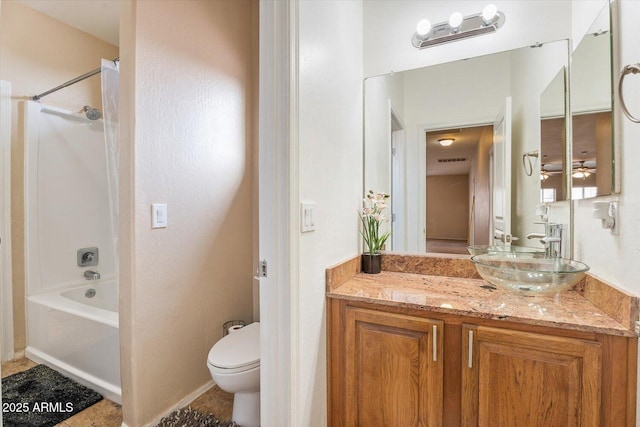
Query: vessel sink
[501,249]
[529,274]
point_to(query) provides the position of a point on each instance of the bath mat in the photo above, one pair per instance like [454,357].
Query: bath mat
[187,417]
[41,397]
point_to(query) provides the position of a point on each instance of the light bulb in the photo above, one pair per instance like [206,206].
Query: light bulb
[455,20]
[423,27]
[488,13]
[445,142]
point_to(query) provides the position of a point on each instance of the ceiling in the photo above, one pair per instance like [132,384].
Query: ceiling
[448,160]
[100,18]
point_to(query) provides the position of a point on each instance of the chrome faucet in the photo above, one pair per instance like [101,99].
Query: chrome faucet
[552,240]
[91,275]
[535,236]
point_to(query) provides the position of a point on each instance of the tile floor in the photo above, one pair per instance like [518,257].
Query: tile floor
[109,414]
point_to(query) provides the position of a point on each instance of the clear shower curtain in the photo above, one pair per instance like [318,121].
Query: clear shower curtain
[110,112]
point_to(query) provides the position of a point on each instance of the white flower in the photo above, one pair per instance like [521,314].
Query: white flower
[371,217]
[379,217]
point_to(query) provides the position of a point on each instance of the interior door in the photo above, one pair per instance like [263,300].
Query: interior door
[501,176]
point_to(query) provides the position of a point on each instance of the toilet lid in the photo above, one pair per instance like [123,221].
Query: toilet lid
[240,348]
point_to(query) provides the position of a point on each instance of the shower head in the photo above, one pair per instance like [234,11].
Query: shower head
[91,113]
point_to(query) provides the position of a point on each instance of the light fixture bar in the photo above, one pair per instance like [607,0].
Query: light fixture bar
[471,26]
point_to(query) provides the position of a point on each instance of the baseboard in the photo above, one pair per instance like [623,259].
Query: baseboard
[184,402]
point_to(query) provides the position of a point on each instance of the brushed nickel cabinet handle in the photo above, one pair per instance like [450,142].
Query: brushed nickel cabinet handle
[435,343]
[470,361]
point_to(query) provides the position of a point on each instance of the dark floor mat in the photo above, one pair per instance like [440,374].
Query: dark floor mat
[187,417]
[41,397]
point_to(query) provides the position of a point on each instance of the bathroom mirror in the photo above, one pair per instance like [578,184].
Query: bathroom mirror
[553,140]
[429,142]
[591,111]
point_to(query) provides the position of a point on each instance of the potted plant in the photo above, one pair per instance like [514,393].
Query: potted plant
[371,216]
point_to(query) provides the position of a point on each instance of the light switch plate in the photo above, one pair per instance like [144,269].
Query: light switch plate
[307,217]
[158,215]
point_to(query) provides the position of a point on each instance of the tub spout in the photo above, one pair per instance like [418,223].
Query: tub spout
[91,275]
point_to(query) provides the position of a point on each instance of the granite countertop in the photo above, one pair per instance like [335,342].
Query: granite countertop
[475,298]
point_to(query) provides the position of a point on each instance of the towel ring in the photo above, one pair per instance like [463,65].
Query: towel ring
[528,157]
[628,69]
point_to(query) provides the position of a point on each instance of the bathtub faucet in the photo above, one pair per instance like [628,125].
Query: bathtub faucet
[91,275]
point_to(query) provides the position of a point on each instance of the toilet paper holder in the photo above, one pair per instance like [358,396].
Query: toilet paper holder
[606,212]
[232,326]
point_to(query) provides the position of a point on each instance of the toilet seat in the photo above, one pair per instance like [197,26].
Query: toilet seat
[237,352]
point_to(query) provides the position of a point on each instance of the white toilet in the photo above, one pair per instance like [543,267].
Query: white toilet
[234,363]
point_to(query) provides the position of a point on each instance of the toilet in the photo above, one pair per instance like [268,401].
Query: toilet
[234,363]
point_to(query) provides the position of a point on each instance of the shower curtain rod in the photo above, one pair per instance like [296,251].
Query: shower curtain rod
[72,81]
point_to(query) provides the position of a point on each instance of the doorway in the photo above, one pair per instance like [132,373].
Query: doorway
[457,188]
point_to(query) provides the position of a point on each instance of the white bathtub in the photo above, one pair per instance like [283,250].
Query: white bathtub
[78,335]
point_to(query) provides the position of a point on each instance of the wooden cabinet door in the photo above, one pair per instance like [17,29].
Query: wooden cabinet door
[393,370]
[521,379]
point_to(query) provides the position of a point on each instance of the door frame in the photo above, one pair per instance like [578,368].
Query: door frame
[278,199]
[398,179]
[423,129]
[6,283]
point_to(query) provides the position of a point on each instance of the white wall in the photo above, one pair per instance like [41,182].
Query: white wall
[583,16]
[532,70]
[615,257]
[330,174]
[381,94]
[590,75]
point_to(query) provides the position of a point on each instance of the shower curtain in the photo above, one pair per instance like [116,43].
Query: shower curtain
[110,112]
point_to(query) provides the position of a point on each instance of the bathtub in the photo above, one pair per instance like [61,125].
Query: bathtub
[75,331]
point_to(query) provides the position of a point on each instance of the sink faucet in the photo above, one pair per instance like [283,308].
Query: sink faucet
[535,236]
[552,240]
[91,275]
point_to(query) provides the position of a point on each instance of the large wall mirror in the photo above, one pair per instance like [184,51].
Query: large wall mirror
[471,121]
[591,111]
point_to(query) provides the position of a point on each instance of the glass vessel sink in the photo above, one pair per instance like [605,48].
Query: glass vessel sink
[529,274]
[501,249]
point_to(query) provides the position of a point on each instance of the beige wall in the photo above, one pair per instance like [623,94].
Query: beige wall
[186,107]
[448,207]
[38,53]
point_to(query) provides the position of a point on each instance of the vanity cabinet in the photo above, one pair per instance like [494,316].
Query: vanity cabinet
[393,369]
[515,378]
[399,366]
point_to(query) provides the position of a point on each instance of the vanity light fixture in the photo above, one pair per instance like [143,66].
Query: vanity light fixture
[458,27]
[445,142]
